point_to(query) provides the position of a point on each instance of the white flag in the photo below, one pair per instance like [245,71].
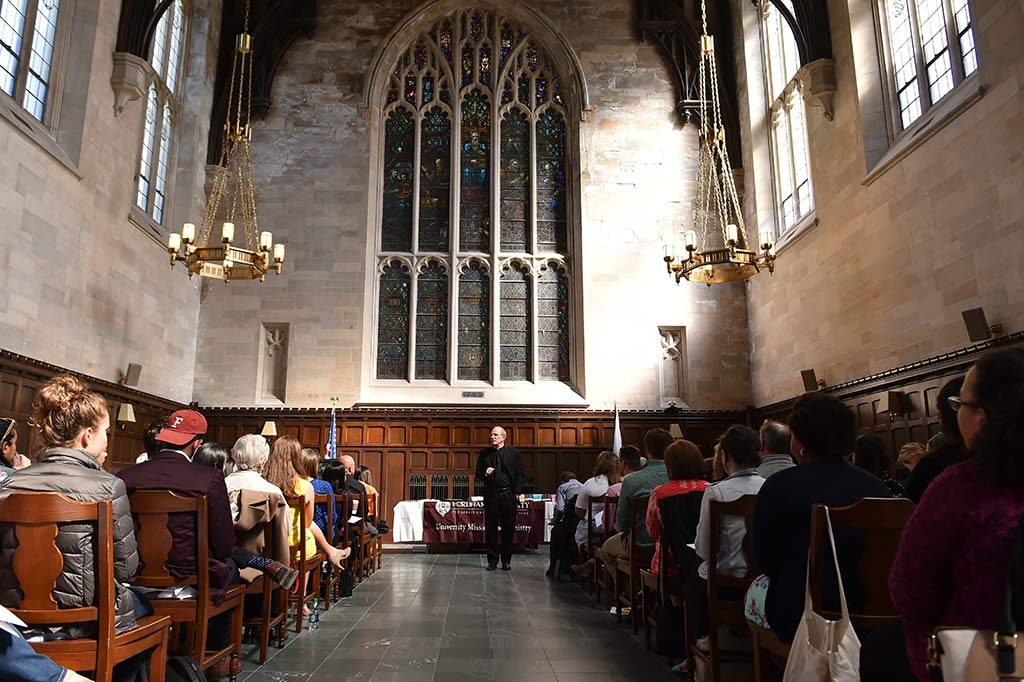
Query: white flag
[617,438]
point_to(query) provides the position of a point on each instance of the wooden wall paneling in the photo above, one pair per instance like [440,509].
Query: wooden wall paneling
[394,482]
[547,435]
[462,435]
[439,460]
[398,434]
[524,436]
[310,436]
[482,436]
[418,459]
[632,435]
[568,435]
[419,434]
[546,466]
[464,460]
[8,389]
[352,434]
[375,434]
[440,435]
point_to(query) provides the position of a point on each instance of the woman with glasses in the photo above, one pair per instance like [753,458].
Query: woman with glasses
[950,451]
[954,555]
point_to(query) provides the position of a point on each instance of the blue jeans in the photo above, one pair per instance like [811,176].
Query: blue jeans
[20,663]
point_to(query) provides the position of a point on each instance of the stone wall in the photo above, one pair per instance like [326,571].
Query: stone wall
[637,171]
[881,280]
[80,285]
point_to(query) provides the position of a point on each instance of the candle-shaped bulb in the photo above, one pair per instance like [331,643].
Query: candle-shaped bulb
[266,241]
[690,239]
[732,233]
[228,233]
[173,243]
[766,240]
[278,253]
[188,233]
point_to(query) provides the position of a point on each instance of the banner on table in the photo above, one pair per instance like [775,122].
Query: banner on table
[463,522]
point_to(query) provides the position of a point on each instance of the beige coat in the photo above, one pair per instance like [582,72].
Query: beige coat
[262,527]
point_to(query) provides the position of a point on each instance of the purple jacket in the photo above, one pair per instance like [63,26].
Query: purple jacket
[170,470]
[954,557]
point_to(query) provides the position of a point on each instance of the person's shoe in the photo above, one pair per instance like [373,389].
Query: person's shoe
[506,567]
[225,667]
[492,567]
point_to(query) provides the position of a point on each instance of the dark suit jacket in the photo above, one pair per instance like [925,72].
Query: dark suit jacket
[508,470]
[170,470]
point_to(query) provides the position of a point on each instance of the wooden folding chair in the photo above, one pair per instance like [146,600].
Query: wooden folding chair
[363,540]
[308,566]
[37,564]
[602,574]
[629,576]
[589,548]
[270,593]
[341,532]
[329,576]
[724,606]
[378,551]
[151,510]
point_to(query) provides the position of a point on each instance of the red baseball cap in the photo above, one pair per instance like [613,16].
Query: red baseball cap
[182,426]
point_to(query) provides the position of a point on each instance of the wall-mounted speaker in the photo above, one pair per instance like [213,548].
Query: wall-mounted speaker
[131,375]
[978,328]
[810,380]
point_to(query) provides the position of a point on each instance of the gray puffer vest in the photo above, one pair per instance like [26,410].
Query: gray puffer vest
[77,475]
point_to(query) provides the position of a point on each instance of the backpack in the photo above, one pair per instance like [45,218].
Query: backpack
[184,669]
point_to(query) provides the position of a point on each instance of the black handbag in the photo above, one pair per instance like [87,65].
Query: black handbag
[344,582]
[184,669]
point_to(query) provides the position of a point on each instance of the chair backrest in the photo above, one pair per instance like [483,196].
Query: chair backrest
[611,507]
[325,500]
[873,527]
[371,506]
[742,507]
[298,505]
[152,510]
[37,562]
[638,520]
[591,501]
[340,532]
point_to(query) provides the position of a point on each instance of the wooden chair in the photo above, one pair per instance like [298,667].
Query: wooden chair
[379,550]
[590,547]
[329,577]
[308,565]
[724,607]
[372,540]
[628,576]
[341,533]
[270,593]
[363,540]
[881,521]
[37,563]
[602,575]
[151,510]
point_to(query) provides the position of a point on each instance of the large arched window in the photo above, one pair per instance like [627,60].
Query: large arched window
[473,241]
[794,199]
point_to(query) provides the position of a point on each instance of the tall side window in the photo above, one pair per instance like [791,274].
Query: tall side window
[163,105]
[929,49]
[28,36]
[791,168]
[474,209]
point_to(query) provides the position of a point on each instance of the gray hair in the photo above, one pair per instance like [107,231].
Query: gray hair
[250,452]
[775,437]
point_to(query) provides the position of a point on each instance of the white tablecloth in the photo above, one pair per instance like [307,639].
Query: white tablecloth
[408,526]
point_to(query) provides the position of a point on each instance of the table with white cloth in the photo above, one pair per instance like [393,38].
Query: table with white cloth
[408,515]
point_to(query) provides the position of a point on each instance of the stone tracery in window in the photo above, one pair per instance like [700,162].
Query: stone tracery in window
[474,165]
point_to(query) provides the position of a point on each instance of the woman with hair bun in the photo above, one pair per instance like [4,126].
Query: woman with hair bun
[72,423]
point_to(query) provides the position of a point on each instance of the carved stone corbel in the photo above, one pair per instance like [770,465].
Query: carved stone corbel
[818,85]
[130,79]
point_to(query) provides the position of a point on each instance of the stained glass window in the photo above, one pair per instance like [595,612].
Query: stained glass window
[162,105]
[551,202]
[553,324]
[515,182]
[474,323]
[435,180]
[432,323]
[475,207]
[393,323]
[927,63]
[515,316]
[479,95]
[396,225]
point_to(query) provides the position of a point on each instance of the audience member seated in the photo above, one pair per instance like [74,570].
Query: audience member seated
[172,469]
[675,506]
[354,485]
[823,434]
[249,457]
[149,440]
[630,462]
[950,451]
[606,473]
[365,477]
[19,662]
[616,548]
[11,460]
[910,455]
[953,561]
[775,454]
[740,459]
[310,460]
[213,455]
[871,454]
[72,424]
[283,469]
[568,486]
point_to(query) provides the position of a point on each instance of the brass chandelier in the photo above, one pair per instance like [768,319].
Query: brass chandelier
[233,193]
[716,247]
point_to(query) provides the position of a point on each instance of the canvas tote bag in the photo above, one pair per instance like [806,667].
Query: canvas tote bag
[824,650]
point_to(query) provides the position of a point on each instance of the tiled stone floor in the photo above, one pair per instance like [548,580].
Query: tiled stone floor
[443,618]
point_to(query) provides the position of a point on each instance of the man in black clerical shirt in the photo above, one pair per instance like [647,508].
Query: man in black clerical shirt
[502,474]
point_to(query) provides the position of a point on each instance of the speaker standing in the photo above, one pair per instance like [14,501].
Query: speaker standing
[501,471]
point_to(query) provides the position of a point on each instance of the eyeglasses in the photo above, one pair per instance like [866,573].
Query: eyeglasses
[956,403]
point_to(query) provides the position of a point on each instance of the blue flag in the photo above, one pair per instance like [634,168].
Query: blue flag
[332,440]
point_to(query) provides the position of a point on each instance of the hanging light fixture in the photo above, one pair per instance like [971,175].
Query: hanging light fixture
[232,196]
[716,246]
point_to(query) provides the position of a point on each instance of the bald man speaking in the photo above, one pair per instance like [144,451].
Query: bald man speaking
[501,472]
